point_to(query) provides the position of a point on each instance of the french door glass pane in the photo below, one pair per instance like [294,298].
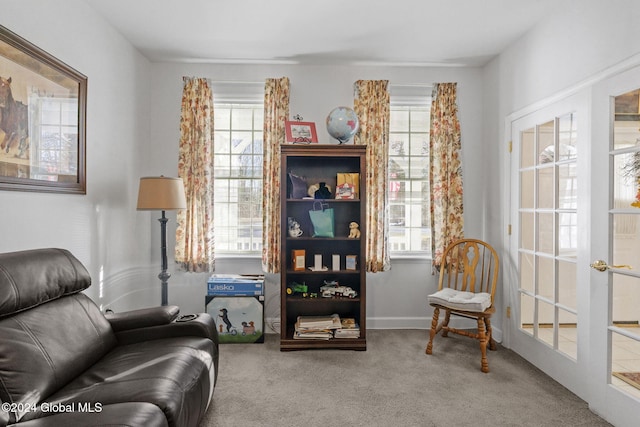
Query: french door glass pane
[527,194]
[527,148]
[546,322]
[567,334]
[527,278]
[527,236]
[567,284]
[527,308]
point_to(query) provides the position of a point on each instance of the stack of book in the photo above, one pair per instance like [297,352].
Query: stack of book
[316,327]
[348,329]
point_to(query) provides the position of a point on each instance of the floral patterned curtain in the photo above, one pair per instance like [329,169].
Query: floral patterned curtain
[445,171]
[194,236]
[371,104]
[276,111]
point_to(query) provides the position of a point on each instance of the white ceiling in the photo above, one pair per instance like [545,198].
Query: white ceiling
[393,32]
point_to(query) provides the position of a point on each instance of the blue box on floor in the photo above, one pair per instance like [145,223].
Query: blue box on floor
[238,319]
[235,285]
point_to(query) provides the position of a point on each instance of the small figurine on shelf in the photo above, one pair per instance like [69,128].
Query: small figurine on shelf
[323,192]
[354,232]
[297,288]
[294,228]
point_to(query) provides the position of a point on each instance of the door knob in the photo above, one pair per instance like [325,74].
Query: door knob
[602,265]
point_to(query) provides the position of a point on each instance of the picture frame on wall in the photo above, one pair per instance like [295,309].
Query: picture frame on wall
[300,132]
[42,120]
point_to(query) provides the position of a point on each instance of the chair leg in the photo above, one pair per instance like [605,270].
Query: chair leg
[483,345]
[492,342]
[432,333]
[445,324]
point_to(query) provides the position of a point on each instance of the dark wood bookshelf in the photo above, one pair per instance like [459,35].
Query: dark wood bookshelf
[321,163]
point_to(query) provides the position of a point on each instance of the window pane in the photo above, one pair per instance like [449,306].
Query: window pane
[567,334]
[420,120]
[546,142]
[527,148]
[398,146]
[545,272]
[526,272]
[568,186]
[399,120]
[527,194]
[567,284]
[527,307]
[242,119]
[546,233]
[567,136]
[546,192]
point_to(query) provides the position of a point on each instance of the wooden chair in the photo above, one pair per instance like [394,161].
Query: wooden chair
[467,285]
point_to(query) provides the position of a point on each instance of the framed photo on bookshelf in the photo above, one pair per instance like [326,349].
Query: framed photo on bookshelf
[300,132]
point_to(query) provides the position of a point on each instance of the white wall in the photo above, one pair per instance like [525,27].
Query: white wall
[394,299]
[102,228]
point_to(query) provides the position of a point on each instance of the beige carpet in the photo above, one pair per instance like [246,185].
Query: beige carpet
[393,383]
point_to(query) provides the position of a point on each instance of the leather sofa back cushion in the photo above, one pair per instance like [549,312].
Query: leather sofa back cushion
[30,278]
[44,348]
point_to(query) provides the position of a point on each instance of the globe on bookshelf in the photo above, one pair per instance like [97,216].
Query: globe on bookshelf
[342,124]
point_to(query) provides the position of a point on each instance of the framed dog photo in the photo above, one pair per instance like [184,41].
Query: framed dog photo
[300,132]
[42,120]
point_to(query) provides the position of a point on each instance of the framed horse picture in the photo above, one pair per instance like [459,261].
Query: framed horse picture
[42,120]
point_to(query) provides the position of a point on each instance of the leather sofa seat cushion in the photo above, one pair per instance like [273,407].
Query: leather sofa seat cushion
[175,374]
[120,414]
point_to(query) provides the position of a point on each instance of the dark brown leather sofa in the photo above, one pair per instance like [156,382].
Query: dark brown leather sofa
[64,363]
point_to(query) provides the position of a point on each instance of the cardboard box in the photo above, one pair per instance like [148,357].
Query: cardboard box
[298,259]
[239,320]
[235,285]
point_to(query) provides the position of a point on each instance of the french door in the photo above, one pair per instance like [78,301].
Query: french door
[574,270]
[615,249]
[548,293]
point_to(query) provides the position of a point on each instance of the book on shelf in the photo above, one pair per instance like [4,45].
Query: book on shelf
[318,322]
[346,333]
[349,329]
[313,335]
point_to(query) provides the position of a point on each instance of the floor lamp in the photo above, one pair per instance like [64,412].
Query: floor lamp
[161,193]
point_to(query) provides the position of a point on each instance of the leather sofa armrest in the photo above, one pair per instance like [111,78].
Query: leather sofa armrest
[198,325]
[142,318]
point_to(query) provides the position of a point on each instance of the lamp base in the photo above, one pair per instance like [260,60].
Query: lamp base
[164,278]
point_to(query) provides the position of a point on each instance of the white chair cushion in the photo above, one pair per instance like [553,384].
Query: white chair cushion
[461,300]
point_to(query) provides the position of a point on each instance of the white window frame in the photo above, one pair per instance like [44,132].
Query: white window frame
[229,198]
[409,98]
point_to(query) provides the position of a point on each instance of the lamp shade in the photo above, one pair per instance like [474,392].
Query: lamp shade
[161,193]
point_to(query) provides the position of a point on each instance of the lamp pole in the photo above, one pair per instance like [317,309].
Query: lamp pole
[164,274]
